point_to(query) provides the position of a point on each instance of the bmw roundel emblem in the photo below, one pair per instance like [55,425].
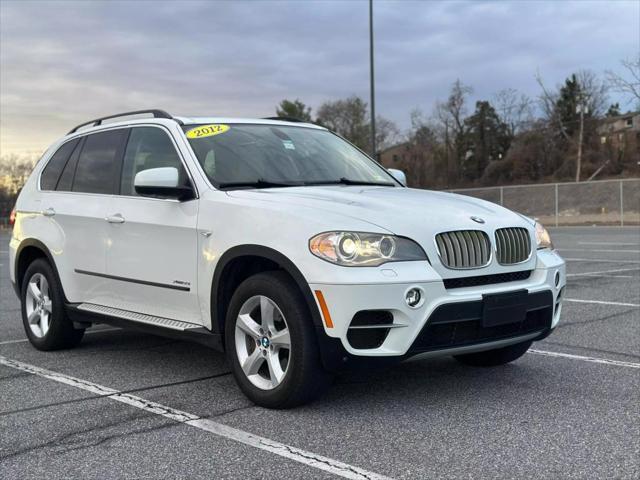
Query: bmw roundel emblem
[477,219]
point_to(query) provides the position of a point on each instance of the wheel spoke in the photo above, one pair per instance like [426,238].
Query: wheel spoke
[47,305]
[253,362]
[33,290]
[44,324]
[275,370]
[267,311]
[34,317]
[44,286]
[281,339]
[248,325]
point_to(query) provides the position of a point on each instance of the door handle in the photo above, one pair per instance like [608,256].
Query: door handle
[49,212]
[117,218]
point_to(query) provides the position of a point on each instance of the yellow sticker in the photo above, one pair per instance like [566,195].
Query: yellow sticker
[207,130]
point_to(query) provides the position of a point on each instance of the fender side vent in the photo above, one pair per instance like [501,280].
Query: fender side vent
[369,328]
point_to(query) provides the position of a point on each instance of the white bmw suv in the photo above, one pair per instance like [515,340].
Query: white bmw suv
[276,241]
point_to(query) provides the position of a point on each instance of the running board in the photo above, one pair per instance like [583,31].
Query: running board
[138,317]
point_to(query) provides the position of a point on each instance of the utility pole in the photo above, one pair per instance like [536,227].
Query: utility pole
[581,109]
[372,88]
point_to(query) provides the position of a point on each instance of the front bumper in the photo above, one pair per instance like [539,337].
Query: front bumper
[444,322]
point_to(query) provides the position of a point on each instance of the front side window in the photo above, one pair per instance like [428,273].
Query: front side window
[52,171]
[148,147]
[98,163]
[249,155]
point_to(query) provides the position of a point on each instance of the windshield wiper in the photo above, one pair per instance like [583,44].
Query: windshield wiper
[259,183]
[348,181]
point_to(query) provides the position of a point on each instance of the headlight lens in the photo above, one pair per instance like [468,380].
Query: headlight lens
[543,239]
[360,249]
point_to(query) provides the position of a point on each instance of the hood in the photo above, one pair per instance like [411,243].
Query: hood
[416,214]
[403,211]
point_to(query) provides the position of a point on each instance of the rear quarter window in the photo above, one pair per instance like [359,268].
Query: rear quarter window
[53,169]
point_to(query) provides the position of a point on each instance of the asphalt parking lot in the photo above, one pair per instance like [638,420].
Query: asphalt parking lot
[568,409]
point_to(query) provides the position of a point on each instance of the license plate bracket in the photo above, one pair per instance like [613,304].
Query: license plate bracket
[504,308]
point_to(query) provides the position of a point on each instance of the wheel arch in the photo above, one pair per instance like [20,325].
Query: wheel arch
[29,250]
[240,262]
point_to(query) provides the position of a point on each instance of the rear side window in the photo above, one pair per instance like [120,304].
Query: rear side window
[98,167]
[66,179]
[52,171]
[148,147]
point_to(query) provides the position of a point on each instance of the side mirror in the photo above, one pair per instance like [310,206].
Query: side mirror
[161,182]
[398,175]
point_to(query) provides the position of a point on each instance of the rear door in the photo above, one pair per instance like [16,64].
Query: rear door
[152,242]
[76,196]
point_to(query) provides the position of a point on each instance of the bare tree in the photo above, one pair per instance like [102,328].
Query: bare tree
[593,93]
[451,115]
[387,133]
[515,110]
[15,169]
[629,83]
[574,106]
[548,101]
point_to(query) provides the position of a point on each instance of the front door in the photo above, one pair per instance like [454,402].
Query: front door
[152,242]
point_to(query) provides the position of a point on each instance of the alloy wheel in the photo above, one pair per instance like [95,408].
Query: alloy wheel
[38,305]
[262,341]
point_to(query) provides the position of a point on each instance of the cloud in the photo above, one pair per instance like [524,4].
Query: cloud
[63,62]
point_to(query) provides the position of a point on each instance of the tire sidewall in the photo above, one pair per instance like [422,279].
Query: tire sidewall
[290,303]
[59,326]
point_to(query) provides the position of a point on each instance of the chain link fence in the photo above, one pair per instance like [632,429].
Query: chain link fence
[602,202]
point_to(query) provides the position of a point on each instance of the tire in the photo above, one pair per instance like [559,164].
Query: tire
[49,328]
[274,376]
[493,358]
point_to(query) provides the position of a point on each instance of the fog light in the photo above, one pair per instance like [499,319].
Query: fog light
[413,297]
[557,278]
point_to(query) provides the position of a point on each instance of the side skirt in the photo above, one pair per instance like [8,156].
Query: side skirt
[164,327]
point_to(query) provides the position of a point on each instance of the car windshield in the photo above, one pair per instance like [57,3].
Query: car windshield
[269,155]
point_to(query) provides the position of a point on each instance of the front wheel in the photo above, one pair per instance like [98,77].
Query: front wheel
[493,358]
[271,344]
[43,315]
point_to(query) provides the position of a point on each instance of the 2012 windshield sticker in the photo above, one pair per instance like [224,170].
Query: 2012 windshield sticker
[207,130]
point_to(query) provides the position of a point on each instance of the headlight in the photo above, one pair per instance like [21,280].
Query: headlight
[543,239]
[359,249]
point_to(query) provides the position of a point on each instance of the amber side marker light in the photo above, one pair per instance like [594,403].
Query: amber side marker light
[325,311]
[12,217]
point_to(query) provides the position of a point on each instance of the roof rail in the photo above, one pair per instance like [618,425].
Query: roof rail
[286,119]
[98,121]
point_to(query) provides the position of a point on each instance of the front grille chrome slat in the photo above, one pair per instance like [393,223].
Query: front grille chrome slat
[464,249]
[513,245]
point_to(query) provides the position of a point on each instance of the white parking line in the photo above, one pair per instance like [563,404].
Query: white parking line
[622,244]
[613,276]
[597,250]
[22,340]
[605,361]
[602,302]
[600,260]
[617,270]
[307,458]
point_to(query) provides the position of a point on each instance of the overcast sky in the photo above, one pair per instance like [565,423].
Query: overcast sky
[64,62]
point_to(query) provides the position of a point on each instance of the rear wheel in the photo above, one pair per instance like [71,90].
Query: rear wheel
[498,356]
[271,343]
[43,316]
